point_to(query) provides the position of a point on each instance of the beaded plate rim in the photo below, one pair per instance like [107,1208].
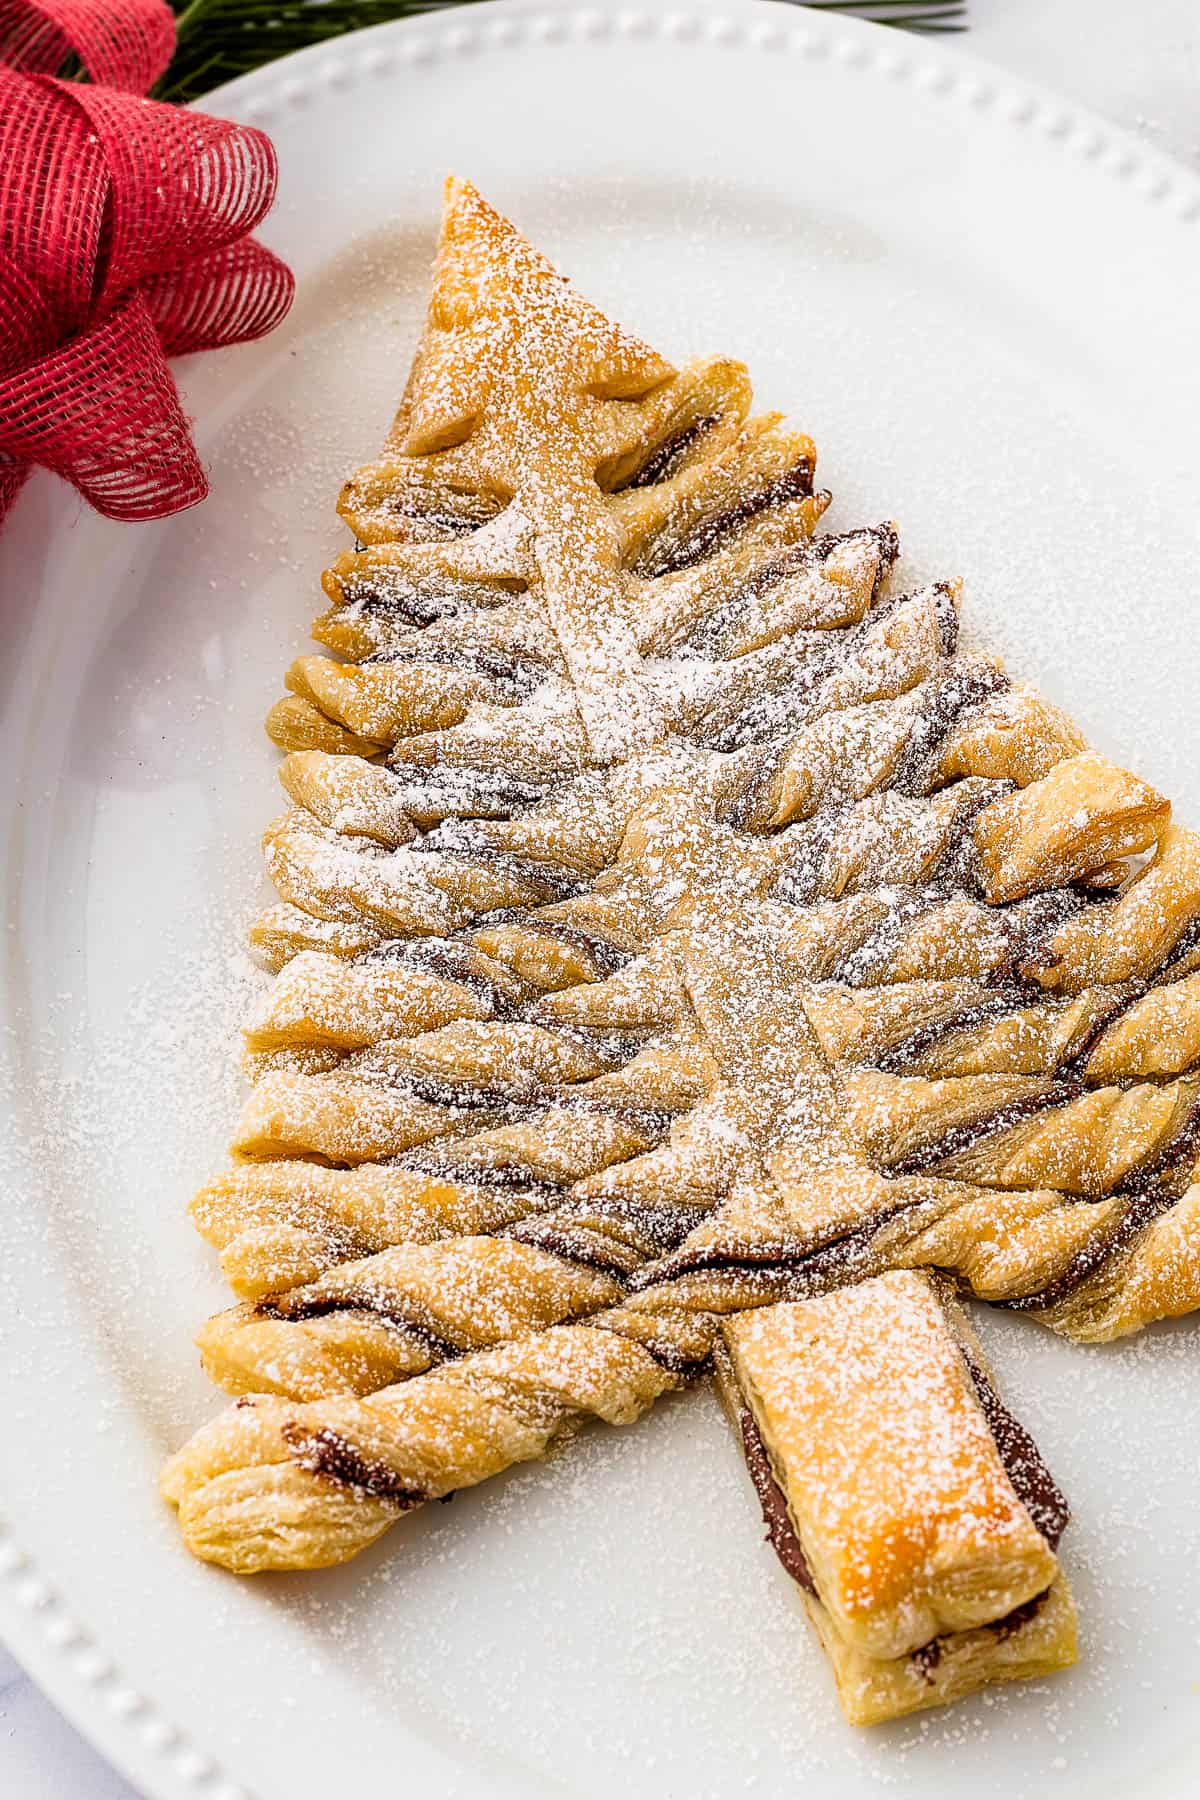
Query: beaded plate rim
[62,1654]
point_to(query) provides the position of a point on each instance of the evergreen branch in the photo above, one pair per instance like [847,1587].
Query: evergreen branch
[217,40]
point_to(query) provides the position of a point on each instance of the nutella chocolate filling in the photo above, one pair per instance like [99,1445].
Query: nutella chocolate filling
[741,808]
[614,1048]
[934,1031]
[1119,1001]
[447,792]
[1126,995]
[664,1225]
[301,1307]
[708,637]
[522,1100]
[888,540]
[501,1177]
[914,773]
[784,709]
[1151,1191]
[948,624]
[965,1136]
[801,882]
[958,863]
[646,1122]
[1029,926]
[789,706]
[457,1096]
[546,880]
[375,596]
[1032,1481]
[812,1267]
[446,524]
[667,1355]
[709,534]
[1099,1250]
[781,1533]
[610,1233]
[383,592]
[1184,946]
[1006,1001]
[927,1658]
[516,675]
[585,1253]
[664,462]
[606,957]
[945,703]
[447,961]
[327,1452]
[866,963]
[474,510]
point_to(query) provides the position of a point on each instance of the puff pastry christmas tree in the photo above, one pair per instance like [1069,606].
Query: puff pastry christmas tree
[717,942]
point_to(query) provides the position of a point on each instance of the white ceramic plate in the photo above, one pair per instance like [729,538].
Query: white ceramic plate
[983,307]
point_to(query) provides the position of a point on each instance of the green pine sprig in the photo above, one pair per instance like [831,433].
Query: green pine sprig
[220,39]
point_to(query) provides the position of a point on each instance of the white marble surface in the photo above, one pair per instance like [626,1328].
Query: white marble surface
[1135,61]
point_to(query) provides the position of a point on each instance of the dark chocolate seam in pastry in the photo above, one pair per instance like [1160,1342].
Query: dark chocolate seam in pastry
[325,1452]
[665,460]
[1146,1203]
[711,533]
[958,1138]
[1035,1487]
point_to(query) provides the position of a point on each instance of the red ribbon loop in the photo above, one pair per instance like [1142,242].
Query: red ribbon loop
[123,239]
[121,43]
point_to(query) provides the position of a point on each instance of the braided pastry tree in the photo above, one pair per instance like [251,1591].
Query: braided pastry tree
[810,711]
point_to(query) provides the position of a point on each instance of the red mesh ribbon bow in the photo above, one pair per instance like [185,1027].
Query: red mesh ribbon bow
[123,240]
